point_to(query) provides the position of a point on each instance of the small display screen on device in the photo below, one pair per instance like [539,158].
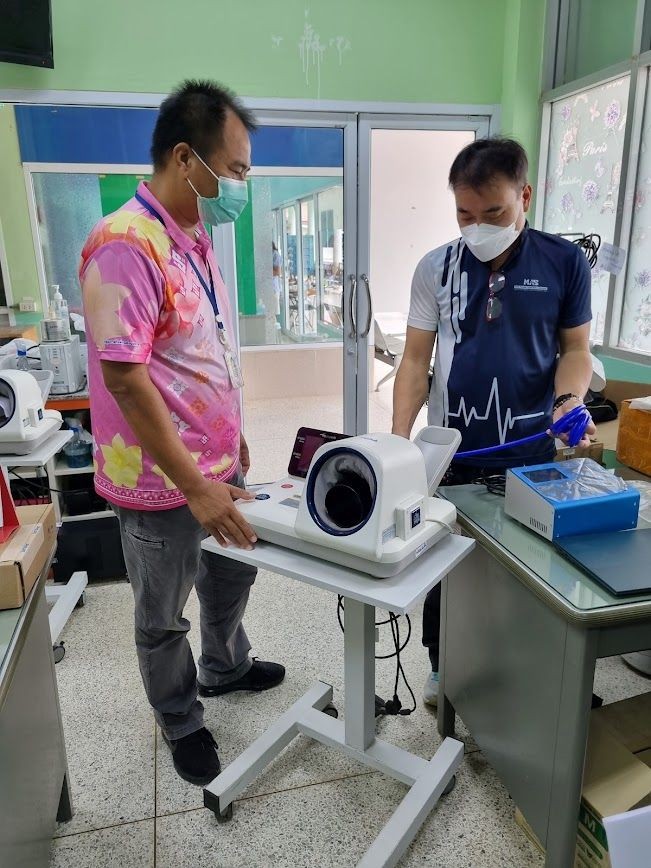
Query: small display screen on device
[308,440]
[310,445]
[547,474]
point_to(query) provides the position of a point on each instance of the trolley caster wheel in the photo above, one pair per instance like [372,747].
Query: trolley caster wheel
[225,815]
[59,652]
[331,710]
[451,785]
[81,602]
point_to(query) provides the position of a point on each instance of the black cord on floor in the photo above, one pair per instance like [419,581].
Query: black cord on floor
[391,706]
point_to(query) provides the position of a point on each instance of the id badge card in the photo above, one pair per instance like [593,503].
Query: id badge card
[234,370]
[231,360]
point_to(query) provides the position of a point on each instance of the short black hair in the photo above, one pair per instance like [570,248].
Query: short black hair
[195,113]
[482,161]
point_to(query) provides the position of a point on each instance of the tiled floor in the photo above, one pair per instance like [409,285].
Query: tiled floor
[271,425]
[312,807]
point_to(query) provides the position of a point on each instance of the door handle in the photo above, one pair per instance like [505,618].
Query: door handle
[369,318]
[353,293]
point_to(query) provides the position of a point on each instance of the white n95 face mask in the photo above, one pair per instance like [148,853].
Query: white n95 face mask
[487,242]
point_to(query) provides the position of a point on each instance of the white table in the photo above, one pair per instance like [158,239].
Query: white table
[44,457]
[61,597]
[355,736]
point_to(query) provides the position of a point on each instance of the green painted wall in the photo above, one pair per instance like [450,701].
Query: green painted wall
[523,50]
[14,215]
[413,50]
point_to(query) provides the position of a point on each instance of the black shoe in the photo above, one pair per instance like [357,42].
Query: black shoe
[195,756]
[261,676]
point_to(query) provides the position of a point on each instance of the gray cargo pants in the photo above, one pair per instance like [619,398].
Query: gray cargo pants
[162,551]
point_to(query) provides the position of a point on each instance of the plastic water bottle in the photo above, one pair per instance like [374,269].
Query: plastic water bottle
[60,314]
[22,362]
[78,453]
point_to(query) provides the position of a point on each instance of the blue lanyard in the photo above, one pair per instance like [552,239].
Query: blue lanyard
[208,289]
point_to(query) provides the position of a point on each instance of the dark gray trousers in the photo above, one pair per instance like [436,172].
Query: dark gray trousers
[162,551]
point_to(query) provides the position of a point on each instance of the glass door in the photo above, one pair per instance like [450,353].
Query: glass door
[405,210]
[293,303]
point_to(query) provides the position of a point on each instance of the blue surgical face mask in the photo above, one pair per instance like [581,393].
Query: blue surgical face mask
[231,199]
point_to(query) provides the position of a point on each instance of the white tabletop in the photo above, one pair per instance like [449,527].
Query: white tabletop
[38,457]
[398,594]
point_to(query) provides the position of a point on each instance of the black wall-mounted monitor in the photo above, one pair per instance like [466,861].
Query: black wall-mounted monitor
[26,32]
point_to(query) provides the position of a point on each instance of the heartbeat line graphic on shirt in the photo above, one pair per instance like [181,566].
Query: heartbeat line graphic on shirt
[504,423]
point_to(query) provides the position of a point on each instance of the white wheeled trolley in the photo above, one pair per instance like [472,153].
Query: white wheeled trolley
[355,736]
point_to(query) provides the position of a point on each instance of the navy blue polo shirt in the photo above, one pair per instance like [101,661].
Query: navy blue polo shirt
[494,381]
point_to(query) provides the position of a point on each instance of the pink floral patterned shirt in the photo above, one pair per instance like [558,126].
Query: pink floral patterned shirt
[143,303]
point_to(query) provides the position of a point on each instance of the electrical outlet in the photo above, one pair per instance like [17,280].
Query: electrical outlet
[27,305]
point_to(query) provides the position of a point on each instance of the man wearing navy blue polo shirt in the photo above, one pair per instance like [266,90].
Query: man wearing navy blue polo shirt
[509,308]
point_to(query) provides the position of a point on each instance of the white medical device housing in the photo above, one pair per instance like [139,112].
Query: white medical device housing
[24,421]
[63,358]
[365,502]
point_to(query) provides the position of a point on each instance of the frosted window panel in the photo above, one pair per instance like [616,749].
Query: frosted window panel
[68,206]
[583,173]
[635,330]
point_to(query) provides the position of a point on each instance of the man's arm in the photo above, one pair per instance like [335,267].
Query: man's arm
[410,389]
[574,371]
[143,408]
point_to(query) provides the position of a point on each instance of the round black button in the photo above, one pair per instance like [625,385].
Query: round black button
[262,496]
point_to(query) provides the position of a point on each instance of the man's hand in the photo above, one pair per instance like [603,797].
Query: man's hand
[565,408]
[212,506]
[245,458]
[573,373]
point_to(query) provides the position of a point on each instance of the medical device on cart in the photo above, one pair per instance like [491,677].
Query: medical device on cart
[363,502]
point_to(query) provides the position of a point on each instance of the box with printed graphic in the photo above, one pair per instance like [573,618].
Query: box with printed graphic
[617,776]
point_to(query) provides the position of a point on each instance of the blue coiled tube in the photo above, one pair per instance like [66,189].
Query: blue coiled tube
[573,424]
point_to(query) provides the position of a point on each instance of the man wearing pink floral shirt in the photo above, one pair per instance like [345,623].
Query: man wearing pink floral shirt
[164,389]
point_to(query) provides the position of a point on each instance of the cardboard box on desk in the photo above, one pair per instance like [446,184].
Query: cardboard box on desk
[617,777]
[44,515]
[24,555]
[634,438]
[594,451]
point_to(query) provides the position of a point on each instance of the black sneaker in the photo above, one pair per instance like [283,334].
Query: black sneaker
[195,756]
[261,676]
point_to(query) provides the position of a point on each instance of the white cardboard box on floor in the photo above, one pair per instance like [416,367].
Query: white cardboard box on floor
[629,838]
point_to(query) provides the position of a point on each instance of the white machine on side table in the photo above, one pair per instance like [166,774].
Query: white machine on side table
[30,438]
[25,424]
[364,503]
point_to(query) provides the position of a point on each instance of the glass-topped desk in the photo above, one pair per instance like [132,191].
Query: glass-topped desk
[521,631]
[536,562]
